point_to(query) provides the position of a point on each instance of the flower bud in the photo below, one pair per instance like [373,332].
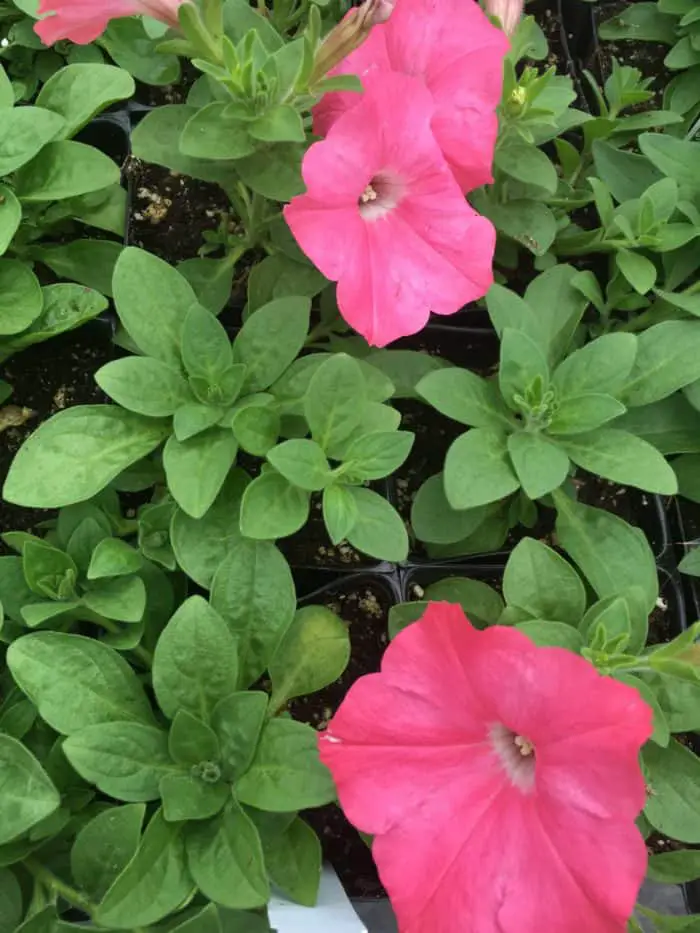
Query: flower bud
[349,35]
[509,13]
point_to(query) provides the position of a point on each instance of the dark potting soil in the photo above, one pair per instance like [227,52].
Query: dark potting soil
[648,57]
[363,603]
[171,212]
[48,378]
[546,13]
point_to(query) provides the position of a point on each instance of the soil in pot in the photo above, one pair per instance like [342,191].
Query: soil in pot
[47,378]
[363,602]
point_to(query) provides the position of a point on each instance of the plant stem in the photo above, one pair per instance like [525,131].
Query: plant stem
[46,877]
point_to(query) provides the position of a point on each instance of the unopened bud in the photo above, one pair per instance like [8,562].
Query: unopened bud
[349,35]
[516,101]
[509,13]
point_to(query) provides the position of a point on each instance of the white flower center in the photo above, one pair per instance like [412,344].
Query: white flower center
[517,755]
[381,196]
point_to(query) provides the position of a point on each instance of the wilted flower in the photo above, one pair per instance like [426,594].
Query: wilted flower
[384,217]
[82,21]
[501,781]
[452,48]
[509,13]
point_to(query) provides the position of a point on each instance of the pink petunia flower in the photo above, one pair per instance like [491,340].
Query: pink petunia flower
[384,217]
[509,13]
[458,54]
[82,21]
[500,780]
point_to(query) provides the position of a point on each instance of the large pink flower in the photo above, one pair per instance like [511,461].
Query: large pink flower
[82,21]
[458,54]
[501,781]
[384,217]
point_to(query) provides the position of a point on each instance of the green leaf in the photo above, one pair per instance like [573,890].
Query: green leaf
[254,592]
[273,171]
[435,521]
[152,302]
[314,652]
[612,555]
[378,529]
[552,634]
[201,544]
[90,262]
[676,158]
[577,414]
[542,583]
[76,682]
[668,358]
[21,299]
[540,464]
[673,776]
[189,797]
[122,599]
[211,279]
[113,557]
[156,139]
[280,124]
[377,454]
[674,867]
[206,350]
[404,368]
[465,397]
[266,359]
[639,271]
[125,760]
[191,741]
[625,174]
[302,462]
[478,469]
[527,163]
[196,468]
[506,309]
[334,401]
[273,508]
[216,132]
[530,223]
[559,306]
[279,276]
[481,603]
[286,773]
[11,911]
[28,794]
[622,458]
[75,454]
[10,217]
[144,385]
[66,307]
[48,571]
[340,512]
[238,721]
[226,860]
[104,847]
[293,860]
[522,365]
[65,169]
[155,883]
[26,130]
[256,428]
[77,92]
[195,663]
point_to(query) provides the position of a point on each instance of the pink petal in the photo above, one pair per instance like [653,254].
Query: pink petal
[491,867]
[83,21]
[370,57]
[461,846]
[334,239]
